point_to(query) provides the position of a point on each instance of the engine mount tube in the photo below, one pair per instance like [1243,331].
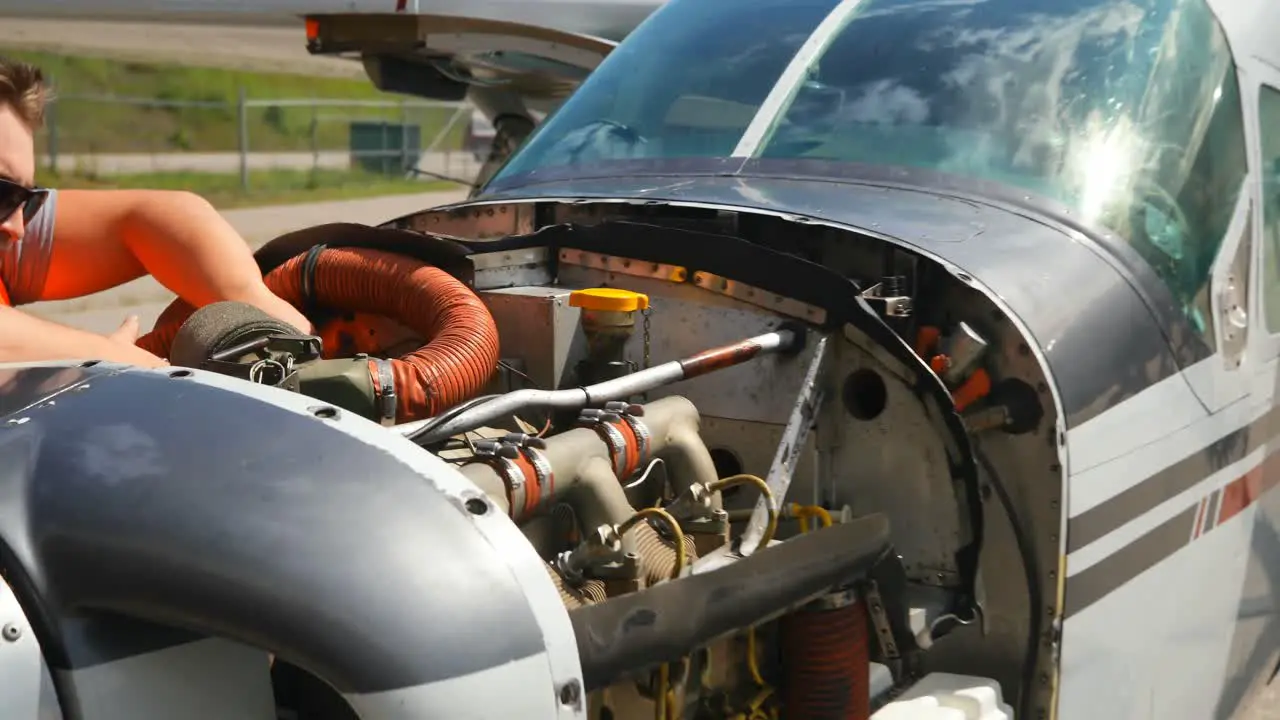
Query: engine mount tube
[429,430]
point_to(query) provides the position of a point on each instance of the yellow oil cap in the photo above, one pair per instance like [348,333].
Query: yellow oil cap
[608,300]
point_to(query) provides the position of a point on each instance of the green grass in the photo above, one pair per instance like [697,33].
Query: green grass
[266,187]
[95,126]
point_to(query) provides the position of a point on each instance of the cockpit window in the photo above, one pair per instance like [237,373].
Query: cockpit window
[1125,111]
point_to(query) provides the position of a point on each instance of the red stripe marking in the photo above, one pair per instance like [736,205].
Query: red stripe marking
[1241,492]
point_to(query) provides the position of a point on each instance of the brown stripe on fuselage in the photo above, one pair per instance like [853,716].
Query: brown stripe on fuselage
[1109,574]
[1092,524]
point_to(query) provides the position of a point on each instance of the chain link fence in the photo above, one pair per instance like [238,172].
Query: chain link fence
[110,138]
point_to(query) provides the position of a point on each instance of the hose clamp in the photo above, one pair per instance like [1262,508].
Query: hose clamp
[604,423]
[546,475]
[525,470]
[386,392]
[644,438]
[501,456]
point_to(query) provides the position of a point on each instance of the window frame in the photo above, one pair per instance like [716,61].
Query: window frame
[1263,87]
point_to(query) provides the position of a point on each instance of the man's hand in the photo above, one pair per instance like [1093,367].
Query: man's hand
[127,333]
[26,338]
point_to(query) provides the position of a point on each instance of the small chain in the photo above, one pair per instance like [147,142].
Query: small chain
[647,312]
[644,397]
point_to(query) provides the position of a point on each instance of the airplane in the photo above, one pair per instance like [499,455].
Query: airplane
[609,19]
[465,48]
[810,358]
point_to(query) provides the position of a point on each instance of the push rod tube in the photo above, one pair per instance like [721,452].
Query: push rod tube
[427,431]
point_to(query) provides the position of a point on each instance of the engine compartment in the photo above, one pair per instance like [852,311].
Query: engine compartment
[671,395]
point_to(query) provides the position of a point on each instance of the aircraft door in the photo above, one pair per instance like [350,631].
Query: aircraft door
[1217,201]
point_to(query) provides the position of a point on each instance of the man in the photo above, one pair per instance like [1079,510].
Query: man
[56,245]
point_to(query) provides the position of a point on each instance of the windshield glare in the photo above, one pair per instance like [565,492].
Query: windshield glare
[1125,111]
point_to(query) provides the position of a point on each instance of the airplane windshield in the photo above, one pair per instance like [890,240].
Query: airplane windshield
[1125,111]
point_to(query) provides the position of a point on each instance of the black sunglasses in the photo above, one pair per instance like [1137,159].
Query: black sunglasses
[15,195]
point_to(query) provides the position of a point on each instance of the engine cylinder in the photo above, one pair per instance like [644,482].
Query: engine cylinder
[826,667]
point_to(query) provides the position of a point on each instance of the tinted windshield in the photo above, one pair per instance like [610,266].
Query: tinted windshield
[1125,111]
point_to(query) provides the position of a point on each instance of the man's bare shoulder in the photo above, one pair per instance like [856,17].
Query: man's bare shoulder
[24,266]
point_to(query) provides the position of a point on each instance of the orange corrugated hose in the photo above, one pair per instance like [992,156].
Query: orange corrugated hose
[461,353]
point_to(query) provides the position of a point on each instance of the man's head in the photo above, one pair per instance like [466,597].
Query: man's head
[23,95]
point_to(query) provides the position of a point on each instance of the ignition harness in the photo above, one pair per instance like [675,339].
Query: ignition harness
[664,707]
[804,512]
[755,707]
[743,478]
[672,525]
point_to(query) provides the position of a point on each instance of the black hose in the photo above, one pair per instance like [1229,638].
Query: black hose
[632,633]
[450,414]
[1031,570]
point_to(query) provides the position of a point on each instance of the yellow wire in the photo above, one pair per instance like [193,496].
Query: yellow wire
[753,666]
[660,703]
[665,703]
[804,512]
[672,525]
[733,480]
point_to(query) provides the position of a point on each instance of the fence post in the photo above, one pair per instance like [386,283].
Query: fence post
[243,127]
[404,139]
[315,138]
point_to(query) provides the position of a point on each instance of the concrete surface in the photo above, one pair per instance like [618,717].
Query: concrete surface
[147,298]
[457,164]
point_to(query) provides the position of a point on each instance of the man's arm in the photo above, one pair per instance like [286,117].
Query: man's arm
[26,338]
[104,238]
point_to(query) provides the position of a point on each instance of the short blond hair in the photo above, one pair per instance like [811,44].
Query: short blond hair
[23,88]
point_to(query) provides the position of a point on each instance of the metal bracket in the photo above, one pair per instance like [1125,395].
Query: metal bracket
[794,435]
[880,621]
[892,305]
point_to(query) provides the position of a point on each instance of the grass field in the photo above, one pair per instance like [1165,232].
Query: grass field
[269,187]
[84,125]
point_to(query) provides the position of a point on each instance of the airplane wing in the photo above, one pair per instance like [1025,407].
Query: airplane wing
[449,57]
[514,60]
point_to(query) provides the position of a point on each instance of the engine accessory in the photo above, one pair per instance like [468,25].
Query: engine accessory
[525,470]
[220,332]
[657,559]
[782,340]
[955,358]
[825,663]
[242,341]
[608,321]
[461,353]
[633,633]
[964,348]
[619,425]
[590,591]
[580,466]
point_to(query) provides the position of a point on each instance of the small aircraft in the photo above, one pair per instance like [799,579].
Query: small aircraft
[810,358]
[514,60]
